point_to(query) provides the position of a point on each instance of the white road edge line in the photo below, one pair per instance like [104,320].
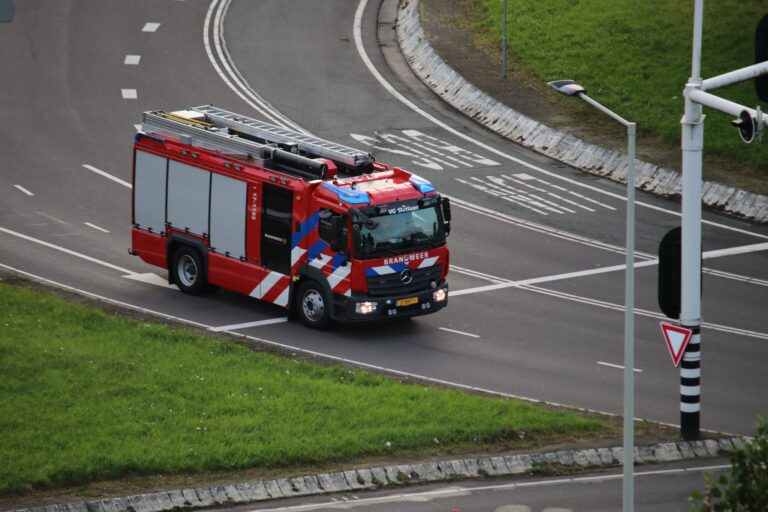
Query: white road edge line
[28,238]
[459,332]
[617,366]
[97,228]
[357,33]
[107,175]
[24,190]
[245,325]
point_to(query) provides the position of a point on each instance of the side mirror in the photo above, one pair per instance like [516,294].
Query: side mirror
[446,205]
[339,242]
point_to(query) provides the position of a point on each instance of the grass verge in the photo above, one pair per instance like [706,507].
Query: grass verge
[633,57]
[86,395]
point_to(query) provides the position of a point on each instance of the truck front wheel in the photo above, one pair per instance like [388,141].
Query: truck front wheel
[313,306]
[188,271]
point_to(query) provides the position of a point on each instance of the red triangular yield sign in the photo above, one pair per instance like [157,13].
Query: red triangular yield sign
[677,339]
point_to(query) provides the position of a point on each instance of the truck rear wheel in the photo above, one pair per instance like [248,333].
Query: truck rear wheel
[188,271]
[313,306]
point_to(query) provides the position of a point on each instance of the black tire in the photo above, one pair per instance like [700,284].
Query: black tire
[189,272]
[313,305]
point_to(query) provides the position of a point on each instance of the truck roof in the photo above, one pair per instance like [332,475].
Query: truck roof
[376,188]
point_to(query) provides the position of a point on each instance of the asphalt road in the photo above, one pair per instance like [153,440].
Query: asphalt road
[71,94]
[664,488]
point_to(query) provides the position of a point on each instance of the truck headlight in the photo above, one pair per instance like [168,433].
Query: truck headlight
[439,295]
[365,308]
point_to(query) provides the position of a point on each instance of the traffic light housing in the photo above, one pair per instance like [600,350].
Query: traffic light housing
[761,55]
[747,126]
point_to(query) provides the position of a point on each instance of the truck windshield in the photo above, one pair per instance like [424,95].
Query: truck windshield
[399,233]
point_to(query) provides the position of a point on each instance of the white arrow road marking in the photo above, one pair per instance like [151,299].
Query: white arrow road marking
[151,278]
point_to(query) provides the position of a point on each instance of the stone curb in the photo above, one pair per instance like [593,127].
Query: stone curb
[398,475]
[509,123]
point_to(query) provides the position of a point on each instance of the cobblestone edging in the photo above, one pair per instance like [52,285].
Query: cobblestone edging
[396,475]
[473,102]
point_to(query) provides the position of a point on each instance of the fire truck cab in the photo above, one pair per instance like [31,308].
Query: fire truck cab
[223,200]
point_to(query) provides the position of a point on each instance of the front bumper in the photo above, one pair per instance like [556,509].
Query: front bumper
[401,306]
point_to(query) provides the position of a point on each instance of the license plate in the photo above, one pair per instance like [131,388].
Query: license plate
[407,302]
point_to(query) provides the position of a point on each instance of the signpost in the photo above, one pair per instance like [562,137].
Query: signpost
[677,339]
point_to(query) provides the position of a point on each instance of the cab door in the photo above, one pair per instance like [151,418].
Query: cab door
[276,229]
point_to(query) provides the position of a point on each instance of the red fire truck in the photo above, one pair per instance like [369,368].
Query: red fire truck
[223,200]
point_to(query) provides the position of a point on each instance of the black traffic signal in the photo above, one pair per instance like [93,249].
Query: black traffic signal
[761,55]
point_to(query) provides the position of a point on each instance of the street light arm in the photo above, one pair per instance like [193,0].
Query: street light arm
[604,110]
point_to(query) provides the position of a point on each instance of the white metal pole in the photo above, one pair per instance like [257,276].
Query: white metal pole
[690,285]
[629,331]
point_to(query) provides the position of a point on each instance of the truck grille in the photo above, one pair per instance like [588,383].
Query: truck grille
[390,284]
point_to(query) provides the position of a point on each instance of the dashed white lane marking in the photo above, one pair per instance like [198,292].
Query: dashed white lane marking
[97,228]
[129,94]
[150,27]
[132,60]
[24,190]
[107,175]
[454,331]
[245,325]
[67,251]
[138,127]
[617,366]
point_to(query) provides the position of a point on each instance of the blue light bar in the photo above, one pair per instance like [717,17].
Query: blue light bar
[421,184]
[348,194]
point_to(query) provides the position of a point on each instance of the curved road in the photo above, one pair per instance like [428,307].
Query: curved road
[537,285]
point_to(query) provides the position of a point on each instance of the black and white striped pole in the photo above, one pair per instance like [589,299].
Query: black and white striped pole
[690,387]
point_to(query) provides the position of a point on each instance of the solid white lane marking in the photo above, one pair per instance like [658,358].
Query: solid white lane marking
[212,28]
[132,60]
[358,37]
[129,94]
[97,228]
[67,251]
[107,175]
[151,278]
[246,325]
[617,366]
[459,332]
[150,27]
[732,251]
[24,190]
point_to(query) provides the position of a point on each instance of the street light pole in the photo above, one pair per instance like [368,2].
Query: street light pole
[504,45]
[570,88]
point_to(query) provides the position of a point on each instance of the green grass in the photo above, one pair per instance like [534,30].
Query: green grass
[634,57]
[86,395]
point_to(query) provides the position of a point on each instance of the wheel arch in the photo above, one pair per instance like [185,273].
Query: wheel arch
[177,240]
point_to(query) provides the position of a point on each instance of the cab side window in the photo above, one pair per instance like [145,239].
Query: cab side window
[325,226]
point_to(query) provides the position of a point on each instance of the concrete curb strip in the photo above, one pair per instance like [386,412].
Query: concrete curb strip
[509,123]
[389,476]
